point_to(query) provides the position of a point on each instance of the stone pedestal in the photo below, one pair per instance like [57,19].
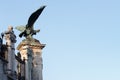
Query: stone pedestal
[33,62]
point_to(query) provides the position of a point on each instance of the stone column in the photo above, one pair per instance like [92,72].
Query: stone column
[26,55]
[10,42]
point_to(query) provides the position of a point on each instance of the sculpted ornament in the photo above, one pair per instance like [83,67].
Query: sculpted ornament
[9,34]
[28,30]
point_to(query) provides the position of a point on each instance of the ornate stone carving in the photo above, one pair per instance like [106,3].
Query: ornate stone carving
[9,35]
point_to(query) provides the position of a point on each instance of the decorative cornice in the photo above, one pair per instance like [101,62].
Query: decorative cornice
[33,43]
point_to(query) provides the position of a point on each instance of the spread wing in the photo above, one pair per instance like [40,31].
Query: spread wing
[20,28]
[34,17]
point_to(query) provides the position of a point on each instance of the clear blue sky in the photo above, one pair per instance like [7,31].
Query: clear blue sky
[82,37]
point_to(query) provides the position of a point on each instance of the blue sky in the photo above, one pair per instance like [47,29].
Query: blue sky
[82,37]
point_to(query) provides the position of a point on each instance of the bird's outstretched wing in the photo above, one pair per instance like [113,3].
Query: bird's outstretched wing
[20,28]
[34,17]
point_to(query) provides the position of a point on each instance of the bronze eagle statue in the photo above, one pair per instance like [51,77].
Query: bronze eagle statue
[28,30]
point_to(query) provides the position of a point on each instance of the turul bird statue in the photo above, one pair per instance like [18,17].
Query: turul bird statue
[28,30]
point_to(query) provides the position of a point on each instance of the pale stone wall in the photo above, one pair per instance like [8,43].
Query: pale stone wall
[26,54]
[35,60]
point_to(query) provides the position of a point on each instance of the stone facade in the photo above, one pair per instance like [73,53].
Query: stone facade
[7,55]
[28,59]
[31,52]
